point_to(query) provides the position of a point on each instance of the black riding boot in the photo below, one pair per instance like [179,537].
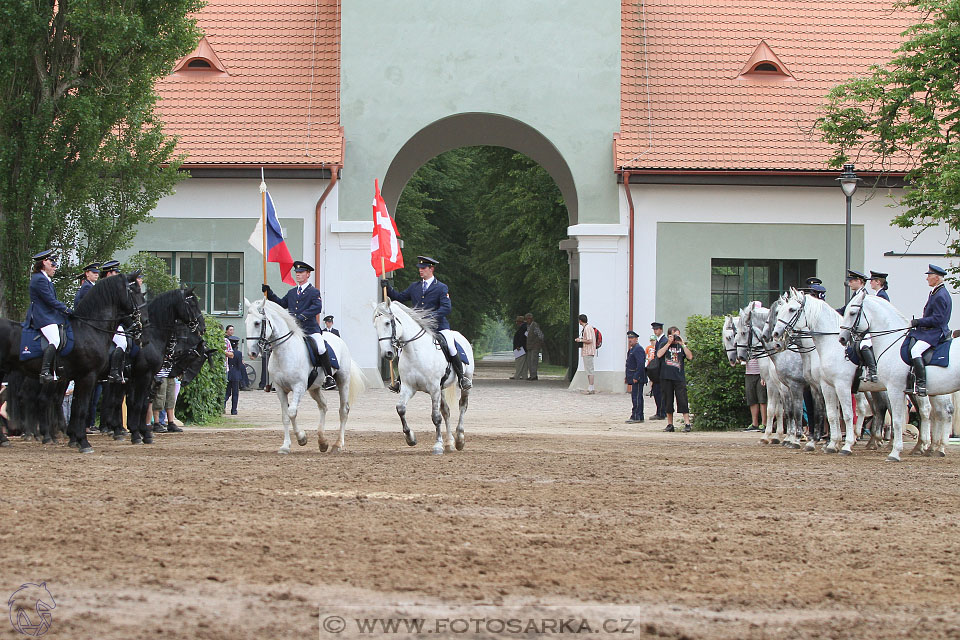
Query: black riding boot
[457,366]
[869,364]
[116,365]
[47,366]
[920,373]
[329,384]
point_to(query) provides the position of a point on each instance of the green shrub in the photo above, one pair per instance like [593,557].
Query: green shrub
[202,399]
[715,389]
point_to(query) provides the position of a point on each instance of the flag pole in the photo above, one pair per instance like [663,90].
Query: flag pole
[383,274]
[263,223]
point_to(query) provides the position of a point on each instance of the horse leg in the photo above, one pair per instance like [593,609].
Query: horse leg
[898,410]
[923,433]
[317,396]
[284,413]
[830,401]
[464,398]
[435,415]
[405,395]
[853,428]
[296,395]
[343,386]
[445,413]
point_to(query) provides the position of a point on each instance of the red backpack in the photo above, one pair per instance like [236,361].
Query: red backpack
[598,338]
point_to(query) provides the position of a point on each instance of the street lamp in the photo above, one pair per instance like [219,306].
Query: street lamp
[848,182]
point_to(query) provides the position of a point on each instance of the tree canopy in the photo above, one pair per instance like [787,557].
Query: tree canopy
[84,158]
[904,115]
[493,218]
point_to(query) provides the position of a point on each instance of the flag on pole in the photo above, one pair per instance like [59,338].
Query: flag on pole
[276,246]
[385,252]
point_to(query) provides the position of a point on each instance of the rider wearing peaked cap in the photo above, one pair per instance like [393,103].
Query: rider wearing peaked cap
[46,313]
[933,327]
[857,280]
[878,282]
[91,273]
[118,353]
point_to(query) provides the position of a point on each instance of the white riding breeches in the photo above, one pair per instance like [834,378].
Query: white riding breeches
[918,348]
[52,333]
[321,343]
[451,345]
[120,339]
[866,342]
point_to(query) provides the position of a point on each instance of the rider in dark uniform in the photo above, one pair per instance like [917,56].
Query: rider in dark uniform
[118,353]
[430,294]
[303,303]
[91,273]
[878,282]
[857,281]
[933,327]
[46,313]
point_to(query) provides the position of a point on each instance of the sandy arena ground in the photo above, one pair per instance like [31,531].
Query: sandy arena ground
[554,502]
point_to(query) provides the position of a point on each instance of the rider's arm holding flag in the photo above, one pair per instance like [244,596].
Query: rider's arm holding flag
[272,297]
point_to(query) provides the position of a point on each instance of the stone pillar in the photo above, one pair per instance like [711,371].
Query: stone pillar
[602,263]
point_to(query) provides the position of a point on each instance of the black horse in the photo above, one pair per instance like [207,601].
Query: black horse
[167,315]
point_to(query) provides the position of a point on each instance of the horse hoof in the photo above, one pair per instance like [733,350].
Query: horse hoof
[844,452]
[5,443]
[302,441]
[775,441]
[458,443]
[86,449]
[941,454]
[927,453]
[830,449]
[283,451]
[119,436]
[437,450]
[893,459]
[810,447]
[47,440]
[323,446]
[411,440]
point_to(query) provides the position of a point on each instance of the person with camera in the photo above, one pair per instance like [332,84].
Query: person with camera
[673,380]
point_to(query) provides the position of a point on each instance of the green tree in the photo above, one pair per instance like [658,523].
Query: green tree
[84,158]
[202,399]
[905,115]
[156,277]
[714,387]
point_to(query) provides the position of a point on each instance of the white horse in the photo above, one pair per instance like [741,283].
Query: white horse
[888,328]
[423,367]
[271,328]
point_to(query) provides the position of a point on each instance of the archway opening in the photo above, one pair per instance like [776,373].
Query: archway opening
[494,219]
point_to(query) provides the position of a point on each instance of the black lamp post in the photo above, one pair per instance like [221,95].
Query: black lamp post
[848,182]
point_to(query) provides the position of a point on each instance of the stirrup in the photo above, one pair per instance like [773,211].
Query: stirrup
[329,384]
[394,386]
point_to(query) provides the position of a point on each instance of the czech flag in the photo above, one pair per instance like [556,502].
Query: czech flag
[276,246]
[385,252]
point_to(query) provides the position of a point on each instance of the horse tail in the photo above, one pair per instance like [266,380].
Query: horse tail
[358,382]
[450,394]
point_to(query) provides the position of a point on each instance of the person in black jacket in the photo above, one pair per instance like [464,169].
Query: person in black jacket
[635,376]
[520,347]
[235,371]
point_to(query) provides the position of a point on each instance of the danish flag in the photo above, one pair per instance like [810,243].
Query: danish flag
[385,252]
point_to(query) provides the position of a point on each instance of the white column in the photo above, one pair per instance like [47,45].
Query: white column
[602,257]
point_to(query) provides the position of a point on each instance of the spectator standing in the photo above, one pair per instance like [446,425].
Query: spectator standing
[534,345]
[166,399]
[651,351]
[520,350]
[756,394]
[673,380]
[68,402]
[653,372]
[635,376]
[235,370]
[588,350]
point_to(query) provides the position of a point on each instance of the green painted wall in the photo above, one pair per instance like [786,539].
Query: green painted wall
[684,251]
[218,235]
[551,64]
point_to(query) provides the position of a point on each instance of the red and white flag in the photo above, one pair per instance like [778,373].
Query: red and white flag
[385,245]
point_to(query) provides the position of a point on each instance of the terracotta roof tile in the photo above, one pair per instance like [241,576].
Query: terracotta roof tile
[701,114]
[277,103]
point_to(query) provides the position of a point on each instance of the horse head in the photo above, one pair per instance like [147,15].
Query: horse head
[191,313]
[855,322]
[789,314]
[729,335]
[131,307]
[385,324]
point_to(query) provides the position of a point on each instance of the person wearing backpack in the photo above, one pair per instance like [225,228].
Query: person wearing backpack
[588,350]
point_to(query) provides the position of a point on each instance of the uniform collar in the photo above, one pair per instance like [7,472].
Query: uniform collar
[935,289]
[429,283]
[303,287]
[46,276]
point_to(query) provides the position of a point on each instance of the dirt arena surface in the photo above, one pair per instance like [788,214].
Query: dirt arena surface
[554,502]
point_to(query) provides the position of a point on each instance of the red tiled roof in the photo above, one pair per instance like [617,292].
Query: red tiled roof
[277,103]
[702,115]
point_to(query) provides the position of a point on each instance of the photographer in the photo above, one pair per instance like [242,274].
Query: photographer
[673,381]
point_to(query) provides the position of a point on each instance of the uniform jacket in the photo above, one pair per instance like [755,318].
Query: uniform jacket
[82,291]
[304,307]
[334,331]
[235,368]
[436,299]
[881,293]
[635,373]
[935,323]
[44,307]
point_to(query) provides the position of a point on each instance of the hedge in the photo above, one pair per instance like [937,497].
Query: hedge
[202,399]
[715,389]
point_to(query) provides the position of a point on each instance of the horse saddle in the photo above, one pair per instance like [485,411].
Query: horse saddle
[33,344]
[314,353]
[936,356]
[441,342]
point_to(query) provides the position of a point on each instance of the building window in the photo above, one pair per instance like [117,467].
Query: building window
[735,281]
[217,278]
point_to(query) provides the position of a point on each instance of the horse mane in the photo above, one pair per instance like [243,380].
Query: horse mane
[162,310]
[108,292]
[425,319]
[284,315]
[878,301]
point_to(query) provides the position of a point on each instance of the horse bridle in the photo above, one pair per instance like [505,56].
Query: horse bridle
[267,346]
[789,325]
[396,342]
[136,327]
